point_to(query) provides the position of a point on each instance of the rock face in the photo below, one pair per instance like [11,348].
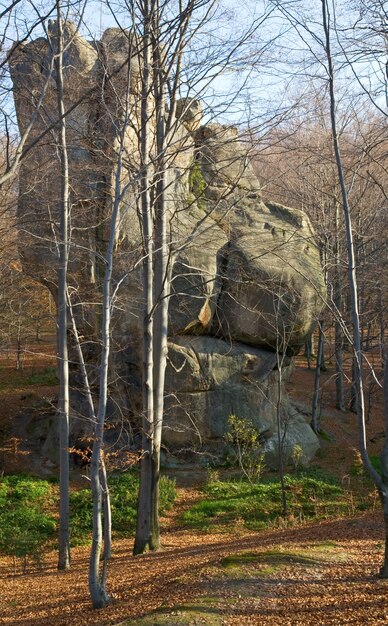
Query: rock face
[246,277]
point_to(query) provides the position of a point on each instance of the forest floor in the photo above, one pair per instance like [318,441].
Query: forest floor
[317,573]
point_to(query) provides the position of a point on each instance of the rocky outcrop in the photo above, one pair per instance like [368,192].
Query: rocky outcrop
[246,278]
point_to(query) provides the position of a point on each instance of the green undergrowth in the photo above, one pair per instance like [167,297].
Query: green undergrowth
[123,490]
[358,469]
[258,506]
[27,523]
[29,505]
[46,376]
[12,380]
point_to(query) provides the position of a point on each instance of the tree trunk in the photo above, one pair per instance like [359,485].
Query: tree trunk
[107,534]
[63,402]
[162,281]
[281,439]
[377,479]
[143,527]
[98,478]
[338,335]
[381,326]
[314,412]
[384,465]
[308,352]
[353,387]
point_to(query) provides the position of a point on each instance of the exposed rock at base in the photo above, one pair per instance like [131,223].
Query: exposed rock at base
[209,380]
[246,277]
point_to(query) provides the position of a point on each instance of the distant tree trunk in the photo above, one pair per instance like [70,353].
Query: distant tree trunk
[308,351]
[281,428]
[381,326]
[353,387]
[314,412]
[38,329]
[338,335]
[63,362]
[19,360]
[384,465]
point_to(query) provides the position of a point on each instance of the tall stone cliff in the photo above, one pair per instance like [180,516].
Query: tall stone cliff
[247,284]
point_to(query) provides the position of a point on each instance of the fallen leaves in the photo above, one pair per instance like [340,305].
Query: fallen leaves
[331,591]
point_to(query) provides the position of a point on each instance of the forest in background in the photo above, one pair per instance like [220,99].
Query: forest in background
[280,55]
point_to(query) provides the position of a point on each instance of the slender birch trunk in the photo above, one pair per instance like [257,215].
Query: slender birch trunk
[63,362]
[98,477]
[143,527]
[384,464]
[380,481]
[97,580]
[92,417]
[157,253]
[162,281]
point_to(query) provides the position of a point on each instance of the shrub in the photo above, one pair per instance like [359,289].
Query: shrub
[244,438]
[81,515]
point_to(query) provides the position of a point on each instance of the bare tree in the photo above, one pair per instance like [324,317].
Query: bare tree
[379,480]
[63,359]
[166,30]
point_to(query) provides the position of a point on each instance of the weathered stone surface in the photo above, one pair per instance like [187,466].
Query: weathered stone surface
[225,165]
[296,433]
[246,277]
[190,112]
[271,280]
[272,287]
[209,379]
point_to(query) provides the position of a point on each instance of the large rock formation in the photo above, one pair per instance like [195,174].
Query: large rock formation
[246,278]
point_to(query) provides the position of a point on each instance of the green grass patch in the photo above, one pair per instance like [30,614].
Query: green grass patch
[200,612]
[123,496]
[47,376]
[323,434]
[28,512]
[358,469]
[269,557]
[27,525]
[259,506]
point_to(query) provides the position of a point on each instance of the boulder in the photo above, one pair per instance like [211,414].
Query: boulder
[246,281]
[272,287]
[208,380]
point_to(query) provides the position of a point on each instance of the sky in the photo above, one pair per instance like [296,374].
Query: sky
[278,64]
